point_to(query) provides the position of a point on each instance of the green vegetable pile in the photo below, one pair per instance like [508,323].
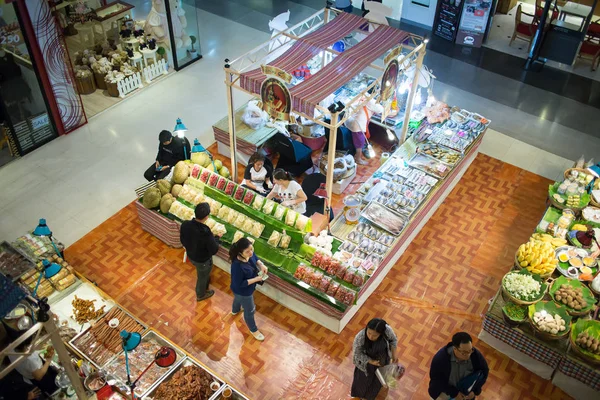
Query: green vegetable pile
[515,311]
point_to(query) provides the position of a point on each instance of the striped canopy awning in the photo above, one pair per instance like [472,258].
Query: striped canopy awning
[304,49]
[306,95]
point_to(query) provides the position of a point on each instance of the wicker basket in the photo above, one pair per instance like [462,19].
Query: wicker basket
[548,336]
[545,276]
[511,322]
[576,210]
[85,85]
[518,301]
[581,170]
[113,89]
[338,154]
[579,353]
[100,82]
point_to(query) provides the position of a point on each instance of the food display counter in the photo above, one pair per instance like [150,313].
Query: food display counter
[545,315]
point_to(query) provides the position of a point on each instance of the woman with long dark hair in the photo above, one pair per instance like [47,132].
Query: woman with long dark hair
[374,347]
[288,191]
[245,268]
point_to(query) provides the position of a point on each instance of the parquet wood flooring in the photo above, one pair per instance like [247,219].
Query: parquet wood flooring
[442,284]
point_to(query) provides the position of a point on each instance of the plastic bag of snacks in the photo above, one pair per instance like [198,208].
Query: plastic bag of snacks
[300,271]
[324,284]
[341,272]
[332,288]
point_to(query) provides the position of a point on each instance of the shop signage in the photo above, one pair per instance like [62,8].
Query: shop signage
[394,54]
[40,121]
[447,18]
[11,35]
[276,72]
[389,83]
[473,22]
[274,93]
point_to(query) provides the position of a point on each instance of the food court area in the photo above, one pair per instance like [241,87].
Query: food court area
[572,41]
[428,233]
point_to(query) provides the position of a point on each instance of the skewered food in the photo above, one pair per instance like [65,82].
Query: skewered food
[189,383]
[85,311]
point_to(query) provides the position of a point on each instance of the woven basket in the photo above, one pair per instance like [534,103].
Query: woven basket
[100,82]
[518,301]
[511,322]
[568,172]
[545,276]
[548,336]
[579,353]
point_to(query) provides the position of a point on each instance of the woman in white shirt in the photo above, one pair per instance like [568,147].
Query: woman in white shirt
[288,191]
[35,370]
[258,175]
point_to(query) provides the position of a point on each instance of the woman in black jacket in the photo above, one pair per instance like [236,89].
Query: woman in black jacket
[458,371]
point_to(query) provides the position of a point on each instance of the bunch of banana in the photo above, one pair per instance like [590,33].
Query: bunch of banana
[544,237]
[537,256]
[579,227]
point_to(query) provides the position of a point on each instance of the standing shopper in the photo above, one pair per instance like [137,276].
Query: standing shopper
[200,245]
[458,371]
[374,347]
[245,268]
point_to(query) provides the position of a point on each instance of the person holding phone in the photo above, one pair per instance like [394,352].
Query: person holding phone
[374,347]
[246,272]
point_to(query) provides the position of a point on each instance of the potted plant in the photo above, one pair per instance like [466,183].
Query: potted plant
[161,52]
[193,51]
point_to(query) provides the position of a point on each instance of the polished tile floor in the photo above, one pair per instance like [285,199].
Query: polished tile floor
[441,284]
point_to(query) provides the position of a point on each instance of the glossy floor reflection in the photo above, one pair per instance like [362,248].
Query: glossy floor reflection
[442,284]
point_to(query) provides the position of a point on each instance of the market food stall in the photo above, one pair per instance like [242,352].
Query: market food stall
[84,326]
[555,277]
[326,275]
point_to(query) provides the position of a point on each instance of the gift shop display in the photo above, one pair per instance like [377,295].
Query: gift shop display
[555,276]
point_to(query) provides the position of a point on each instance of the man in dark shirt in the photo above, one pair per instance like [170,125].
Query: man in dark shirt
[200,245]
[171,150]
[458,371]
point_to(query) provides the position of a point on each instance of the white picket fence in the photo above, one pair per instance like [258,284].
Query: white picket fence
[156,69]
[129,84]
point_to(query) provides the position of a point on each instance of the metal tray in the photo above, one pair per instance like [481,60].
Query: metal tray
[373,206]
[185,363]
[84,354]
[441,170]
[160,341]
[26,264]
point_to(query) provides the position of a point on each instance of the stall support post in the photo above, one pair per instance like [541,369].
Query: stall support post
[65,359]
[331,156]
[411,96]
[231,110]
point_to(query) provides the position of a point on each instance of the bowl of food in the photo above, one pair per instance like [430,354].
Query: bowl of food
[94,381]
[585,339]
[563,257]
[514,314]
[549,320]
[576,262]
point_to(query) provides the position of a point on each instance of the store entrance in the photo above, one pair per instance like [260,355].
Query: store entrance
[25,123]
[118,48]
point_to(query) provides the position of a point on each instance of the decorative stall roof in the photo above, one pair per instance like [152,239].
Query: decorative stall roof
[305,48]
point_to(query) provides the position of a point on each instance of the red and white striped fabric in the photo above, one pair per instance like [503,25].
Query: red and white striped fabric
[305,49]
[306,95]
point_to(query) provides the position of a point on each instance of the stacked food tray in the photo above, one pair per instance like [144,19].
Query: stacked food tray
[188,380]
[101,342]
[139,359]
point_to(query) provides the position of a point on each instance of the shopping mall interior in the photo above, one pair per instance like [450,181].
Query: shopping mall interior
[447,275]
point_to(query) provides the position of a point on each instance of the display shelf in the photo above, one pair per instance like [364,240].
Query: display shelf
[326,315]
